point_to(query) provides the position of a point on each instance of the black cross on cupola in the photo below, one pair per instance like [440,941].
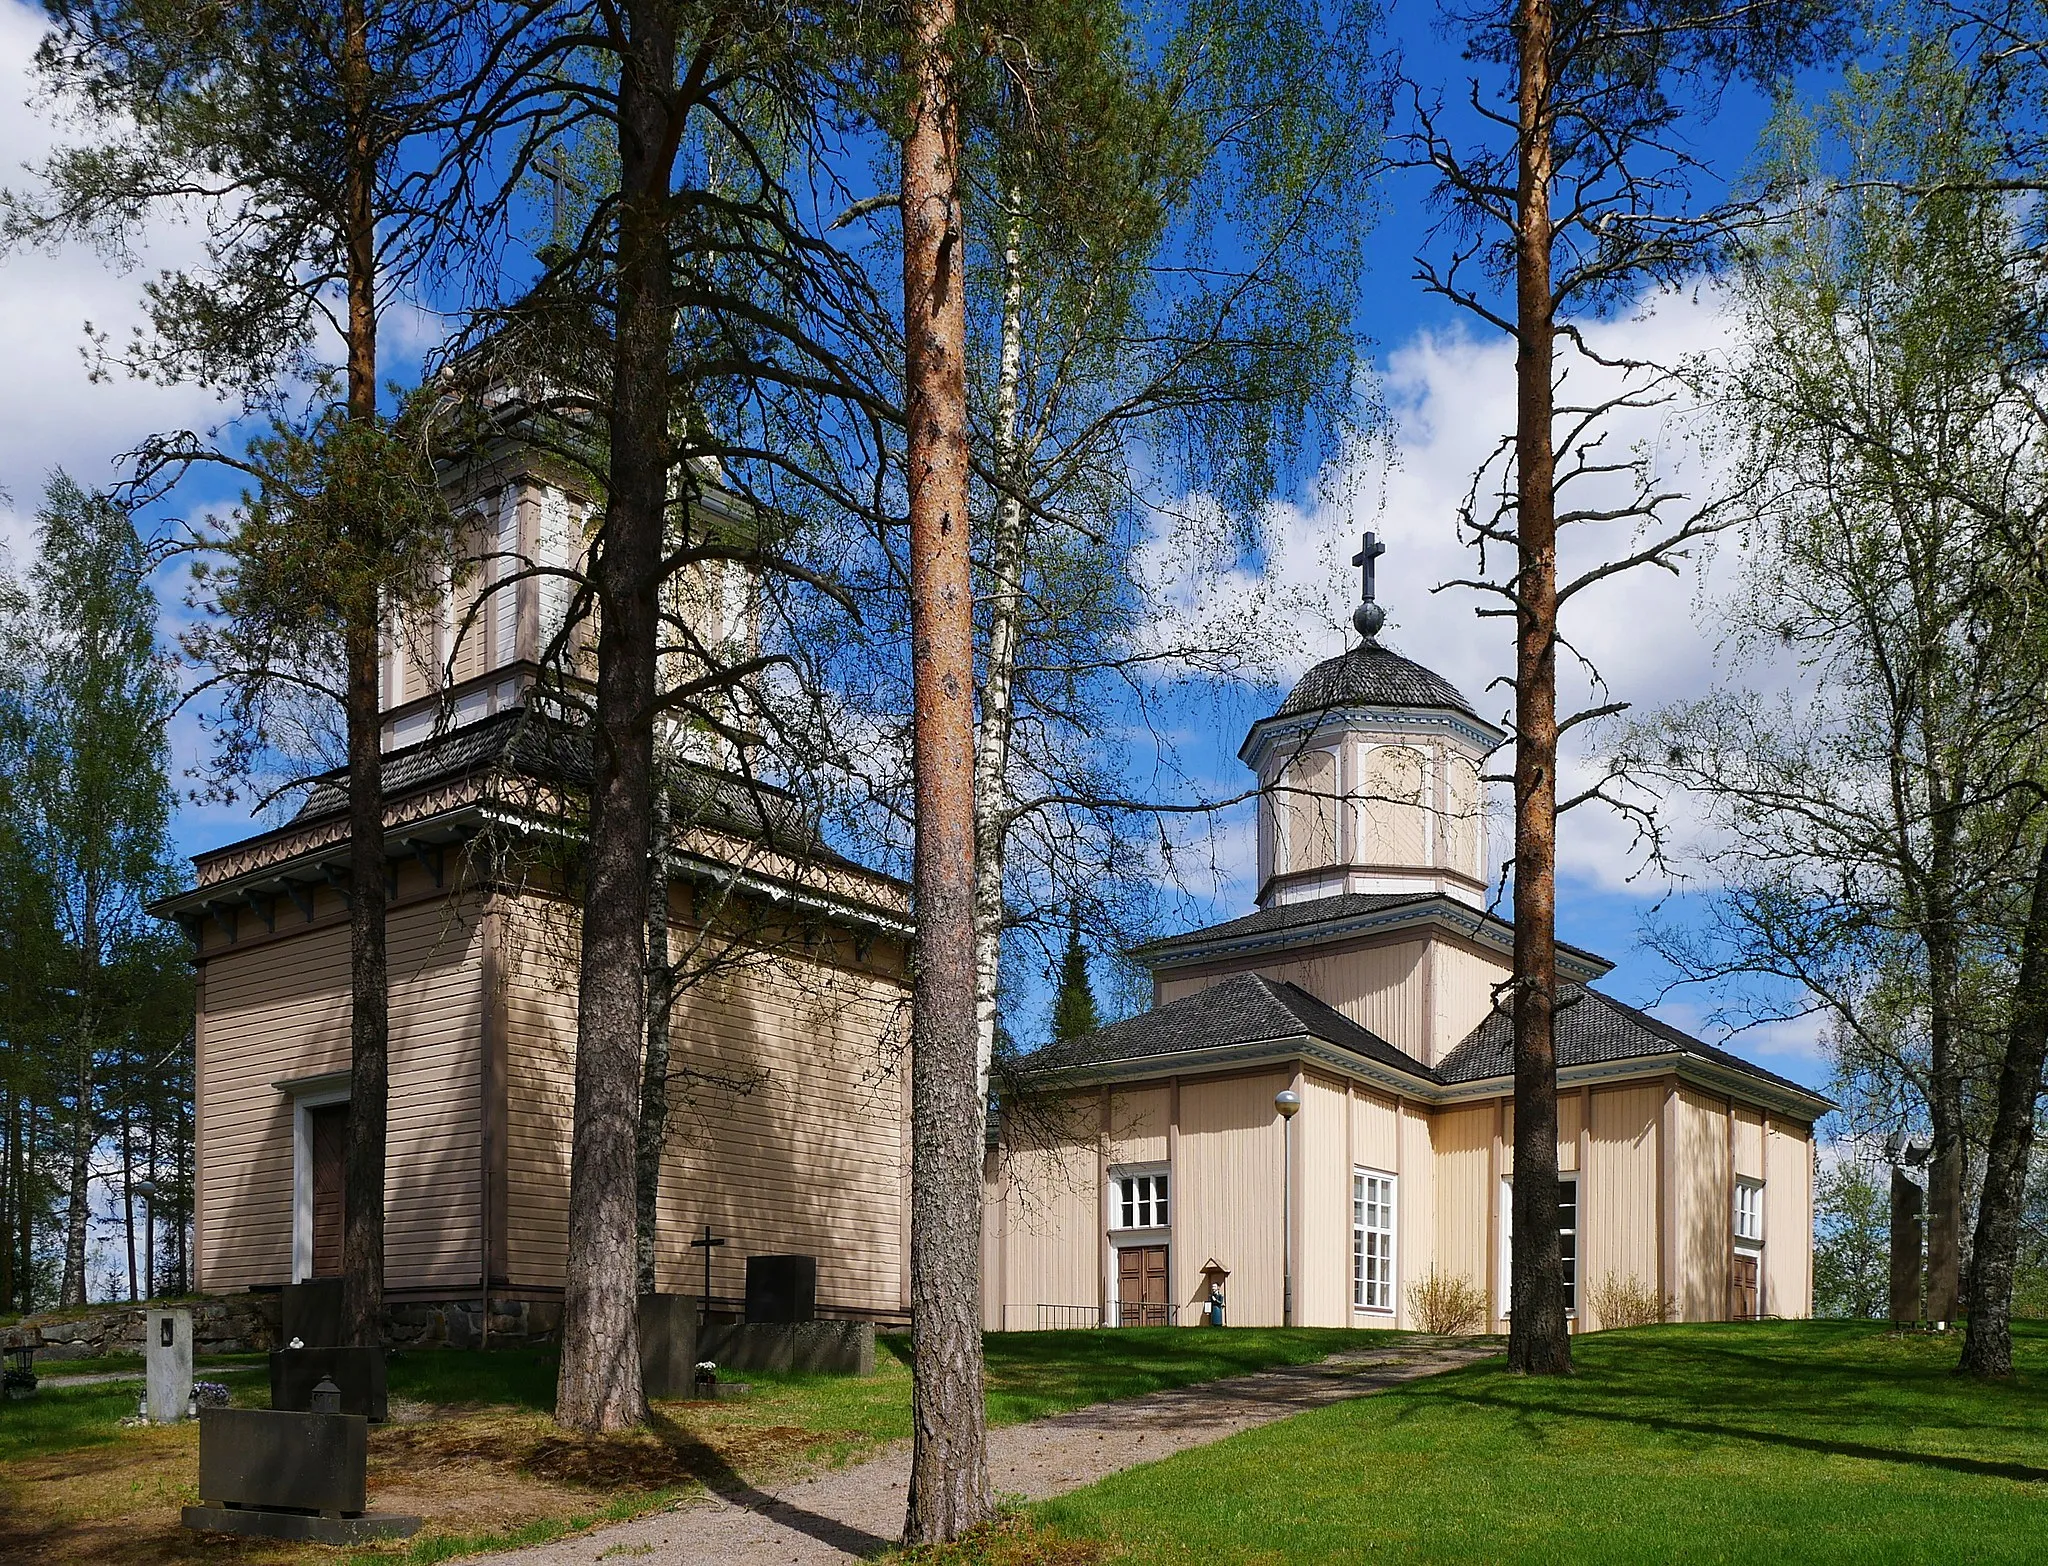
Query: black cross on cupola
[1368,617]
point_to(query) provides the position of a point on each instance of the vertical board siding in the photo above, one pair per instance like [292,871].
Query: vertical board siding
[1384,988]
[1788,1219]
[1375,1133]
[1705,1219]
[1749,1142]
[1462,1140]
[1053,1222]
[1462,983]
[1618,1197]
[281,1011]
[1570,1110]
[1415,1241]
[784,1130]
[1137,1126]
[1322,1266]
[1230,1192]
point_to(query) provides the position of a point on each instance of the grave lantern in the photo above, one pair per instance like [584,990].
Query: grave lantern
[326,1396]
[20,1375]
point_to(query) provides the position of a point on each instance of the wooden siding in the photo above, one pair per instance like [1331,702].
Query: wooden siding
[1788,1219]
[1382,987]
[1375,1133]
[1462,980]
[1618,1228]
[1415,1241]
[786,1137]
[1749,1142]
[1703,1208]
[1462,1142]
[1322,1183]
[1053,1221]
[1230,1192]
[1137,1126]
[280,1011]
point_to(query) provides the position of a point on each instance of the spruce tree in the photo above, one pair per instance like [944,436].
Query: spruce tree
[1073,1008]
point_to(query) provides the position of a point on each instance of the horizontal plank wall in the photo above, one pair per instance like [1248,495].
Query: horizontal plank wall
[1788,1219]
[280,1011]
[1704,1211]
[1618,1199]
[784,1131]
[1230,1151]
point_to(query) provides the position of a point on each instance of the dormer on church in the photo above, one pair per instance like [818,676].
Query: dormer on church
[1369,777]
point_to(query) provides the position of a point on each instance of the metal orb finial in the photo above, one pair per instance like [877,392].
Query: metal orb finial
[1367,619]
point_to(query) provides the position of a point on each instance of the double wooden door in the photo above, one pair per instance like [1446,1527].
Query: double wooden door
[1141,1287]
[1745,1302]
[327,1136]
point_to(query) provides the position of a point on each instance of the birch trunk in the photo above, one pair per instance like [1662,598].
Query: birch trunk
[1538,1343]
[998,706]
[78,1185]
[949,1487]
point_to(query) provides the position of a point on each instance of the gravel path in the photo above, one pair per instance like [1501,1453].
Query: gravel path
[854,1513]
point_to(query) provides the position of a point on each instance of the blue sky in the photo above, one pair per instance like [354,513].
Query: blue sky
[1448,388]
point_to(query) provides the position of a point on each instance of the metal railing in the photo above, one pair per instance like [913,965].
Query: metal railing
[1064,1318]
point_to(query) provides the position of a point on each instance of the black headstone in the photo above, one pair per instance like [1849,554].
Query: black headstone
[311,1313]
[358,1372]
[782,1288]
[258,1458]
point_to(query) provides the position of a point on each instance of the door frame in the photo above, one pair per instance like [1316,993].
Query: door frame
[1139,1240]
[313,1093]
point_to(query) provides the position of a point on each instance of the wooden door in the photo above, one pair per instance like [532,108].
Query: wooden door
[1141,1286]
[1743,1302]
[327,1130]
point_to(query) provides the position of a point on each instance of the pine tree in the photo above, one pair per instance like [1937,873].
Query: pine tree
[1073,1008]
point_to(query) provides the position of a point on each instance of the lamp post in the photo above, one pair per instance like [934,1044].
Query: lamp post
[1288,1102]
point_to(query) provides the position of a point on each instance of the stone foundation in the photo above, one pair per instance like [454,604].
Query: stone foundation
[249,1324]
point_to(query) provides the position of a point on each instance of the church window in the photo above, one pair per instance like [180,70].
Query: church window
[1372,1241]
[1749,1211]
[1141,1201]
[1567,1241]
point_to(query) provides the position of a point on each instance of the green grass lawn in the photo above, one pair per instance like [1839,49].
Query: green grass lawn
[1778,1441]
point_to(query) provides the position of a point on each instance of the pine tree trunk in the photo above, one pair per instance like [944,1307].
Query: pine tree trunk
[1538,1342]
[11,1204]
[362,1244]
[599,1386]
[998,685]
[949,1488]
[652,1131]
[1987,1343]
[78,1187]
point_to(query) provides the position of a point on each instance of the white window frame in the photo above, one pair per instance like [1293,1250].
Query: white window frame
[1362,1232]
[1507,1241]
[1157,1203]
[314,1093]
[1752,1239]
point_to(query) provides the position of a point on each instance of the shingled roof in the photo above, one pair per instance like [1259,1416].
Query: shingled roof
[1591,1028]
[1246,1008]
[1370,675]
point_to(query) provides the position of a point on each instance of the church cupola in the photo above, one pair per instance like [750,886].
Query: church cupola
[1369,776]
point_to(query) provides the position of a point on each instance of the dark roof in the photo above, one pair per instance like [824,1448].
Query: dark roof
[1591,1028]
[1245,1008]
[1313,911]
[525,743]
[1372,676]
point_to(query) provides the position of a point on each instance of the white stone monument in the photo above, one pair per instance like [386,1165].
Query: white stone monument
[167,1355]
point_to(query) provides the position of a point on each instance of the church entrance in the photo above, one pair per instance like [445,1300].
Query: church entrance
[1141,1286]
[327,1135]
[1744,1304]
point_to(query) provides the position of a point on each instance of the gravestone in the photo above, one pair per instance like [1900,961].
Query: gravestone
[310,1314]
[358,1372]
[782,1288]
[167,1361]
[281,1475]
